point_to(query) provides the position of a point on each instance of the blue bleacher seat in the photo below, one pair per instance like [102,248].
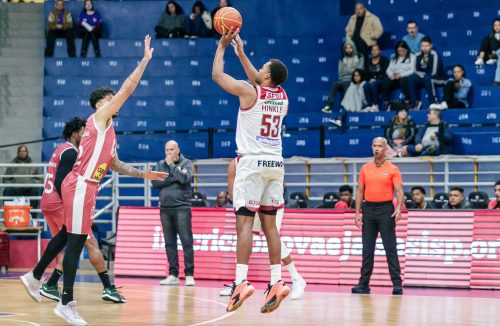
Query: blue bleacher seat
[302,143]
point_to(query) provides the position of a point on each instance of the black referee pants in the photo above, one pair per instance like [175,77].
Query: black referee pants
[377,218]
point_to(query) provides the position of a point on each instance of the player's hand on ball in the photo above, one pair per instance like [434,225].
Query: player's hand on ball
[237,44]
[155,175]
[226,39]
[148,51]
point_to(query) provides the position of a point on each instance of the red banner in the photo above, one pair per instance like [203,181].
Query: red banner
[436,248]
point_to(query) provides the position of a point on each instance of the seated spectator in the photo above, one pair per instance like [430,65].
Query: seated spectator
[495,203]
[490,45]
[433,139]
[90,23]
[418,196]
[60,24]
[456,199]
[171,24]
[200,21]
[346,200]
[428,73]
[349,61]
[223,200]
[413,37]
[400,132]
[496,82]
[401,67]
[456,91]
[375,68]
[364,29]
[32,175]
[222,4]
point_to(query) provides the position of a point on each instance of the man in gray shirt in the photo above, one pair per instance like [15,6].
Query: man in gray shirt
[175,211]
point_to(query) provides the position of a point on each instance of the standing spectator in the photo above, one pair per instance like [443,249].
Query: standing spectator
[490,45]
[496,82]
[495,203]
[175,211]
[418,197]
[222,4]
[200,21]
[364,29]
[60,24]
[222,200]
[90,22]
[376,68]
[433,139]
[413,37]
[399,133]
[401,67]
[349,61]
[456,91]
[32,175]
[456,199]
[428,72]
[171,24]
[346,200]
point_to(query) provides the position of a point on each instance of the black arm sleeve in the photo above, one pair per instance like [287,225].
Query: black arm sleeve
[68,159]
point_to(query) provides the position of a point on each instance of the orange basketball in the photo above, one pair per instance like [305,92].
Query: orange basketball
[225,18]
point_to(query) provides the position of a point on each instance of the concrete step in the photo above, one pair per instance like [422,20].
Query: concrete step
[22,7]
[13,52]
[25,42]
[21,24]
[12,32]
[21,70]
[21,81]
[23,62]
[21,91]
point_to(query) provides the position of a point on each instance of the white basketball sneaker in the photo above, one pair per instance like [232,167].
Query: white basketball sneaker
[69,314]
[190,281]
[298,287]
[170,280]
[226,292]
[32,285]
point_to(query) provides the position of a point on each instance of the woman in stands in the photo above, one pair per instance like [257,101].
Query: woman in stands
[456,91]
[90,23]
[399,133]
[401,67]
[375,69]
[490,45]
[171,24]
[200,21]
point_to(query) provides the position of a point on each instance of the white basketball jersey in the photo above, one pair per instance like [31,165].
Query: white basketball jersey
[259,127]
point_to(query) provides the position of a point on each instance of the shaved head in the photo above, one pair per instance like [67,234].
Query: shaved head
[172,149]
[172,143]
[379,146]
[381,140]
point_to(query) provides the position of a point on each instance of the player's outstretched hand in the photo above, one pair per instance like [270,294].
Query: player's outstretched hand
[148,51]
[155,175]
[226,39]
[237,44]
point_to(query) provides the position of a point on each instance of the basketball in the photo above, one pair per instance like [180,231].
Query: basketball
[225,18]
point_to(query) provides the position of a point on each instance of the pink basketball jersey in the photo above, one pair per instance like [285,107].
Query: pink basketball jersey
[52,168]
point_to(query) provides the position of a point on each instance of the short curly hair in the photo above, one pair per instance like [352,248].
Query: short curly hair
[73,125]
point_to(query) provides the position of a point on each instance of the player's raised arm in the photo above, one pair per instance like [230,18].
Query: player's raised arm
[113,106]
[250,70]
[127,169]
[240,88]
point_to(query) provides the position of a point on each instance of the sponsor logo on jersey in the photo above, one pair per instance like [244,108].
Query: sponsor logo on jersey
[99,172]
[268,141]
[270,164]
[274,96]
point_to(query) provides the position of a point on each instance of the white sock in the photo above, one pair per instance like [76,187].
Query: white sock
[284,251]
[293,271]
[275,273]
[241,273]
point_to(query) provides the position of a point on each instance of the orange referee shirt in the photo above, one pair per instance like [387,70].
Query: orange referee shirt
[379,181]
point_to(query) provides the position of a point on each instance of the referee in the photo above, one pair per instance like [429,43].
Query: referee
[376,185]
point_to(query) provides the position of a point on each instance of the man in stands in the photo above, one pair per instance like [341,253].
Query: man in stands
[413,37]
[346,201]
[433,138]
[456,199]
[223,200]
[495,203]
[364,29]
[60,24]
[418,196]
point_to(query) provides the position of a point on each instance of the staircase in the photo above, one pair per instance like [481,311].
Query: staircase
[21,77]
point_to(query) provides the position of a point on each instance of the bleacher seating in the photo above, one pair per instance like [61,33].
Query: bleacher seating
[177,93]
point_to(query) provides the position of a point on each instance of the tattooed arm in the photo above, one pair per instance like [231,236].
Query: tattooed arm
[127,169]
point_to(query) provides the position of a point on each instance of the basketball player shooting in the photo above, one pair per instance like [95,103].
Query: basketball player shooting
[96,154]
[258,185]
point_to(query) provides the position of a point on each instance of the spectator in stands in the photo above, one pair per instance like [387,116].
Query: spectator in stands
[60,24]
[496,82]
[32,175]
[90,23]
[428,73]
[418,196]
[346,200]
[349,61]
[495,203]
[433,139]
[376,68]
[456,91]
[413,37]
[175,211]
[456,199]
[364,29]
[222,200]
[200,21]
[171,24]
[490,45]
[400,132]
[222,4]
[401,67]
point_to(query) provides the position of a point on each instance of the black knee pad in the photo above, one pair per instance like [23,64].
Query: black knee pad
[269,212]
[243,211]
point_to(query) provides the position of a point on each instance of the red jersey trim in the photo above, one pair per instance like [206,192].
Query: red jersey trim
[257,93]
[97,128]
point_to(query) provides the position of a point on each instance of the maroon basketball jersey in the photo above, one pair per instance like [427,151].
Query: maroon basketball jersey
[52,168]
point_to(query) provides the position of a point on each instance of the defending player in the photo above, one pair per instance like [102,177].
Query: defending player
[96,154]
[298,282]
[61,163]
[258,185]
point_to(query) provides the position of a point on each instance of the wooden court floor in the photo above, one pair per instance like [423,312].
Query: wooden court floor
[160,305]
